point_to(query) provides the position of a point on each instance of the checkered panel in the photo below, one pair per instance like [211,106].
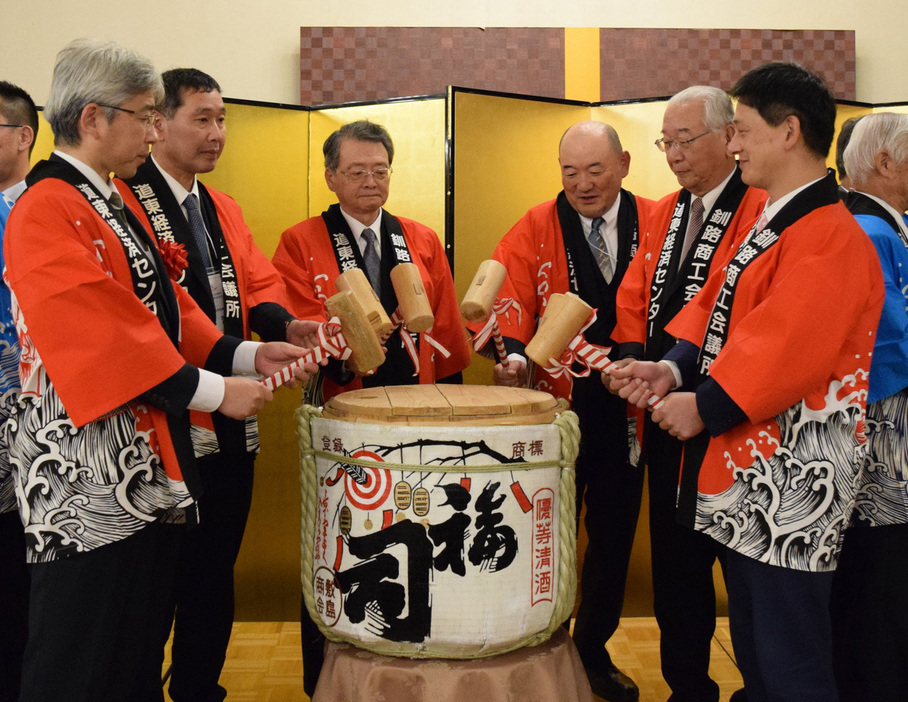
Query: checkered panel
[358,64]
[642,63]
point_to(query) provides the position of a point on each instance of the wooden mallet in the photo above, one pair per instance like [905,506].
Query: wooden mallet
[564,317]
[365,348]
[561,329]
[411,298]
[356,282]
[478,304]
[483,291]
[348,335]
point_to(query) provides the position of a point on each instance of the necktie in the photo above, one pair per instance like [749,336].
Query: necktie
[693,226]
[197,227]
[370,257]
[761,222]
[600,252]
[116,206]
[118,210]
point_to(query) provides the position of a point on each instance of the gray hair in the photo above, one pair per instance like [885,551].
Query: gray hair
[718,112]
[881,131]
[361,130]
[89,71]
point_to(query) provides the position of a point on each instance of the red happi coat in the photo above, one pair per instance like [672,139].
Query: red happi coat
[533,251]
[779,487]
[257,281]
[633,299]
[305,258]
[106,462]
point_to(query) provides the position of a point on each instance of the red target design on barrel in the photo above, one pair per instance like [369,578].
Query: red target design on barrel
[374,490]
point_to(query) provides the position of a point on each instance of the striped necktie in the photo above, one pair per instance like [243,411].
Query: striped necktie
[693,226]
[600,252]
[197,227]
[761,222]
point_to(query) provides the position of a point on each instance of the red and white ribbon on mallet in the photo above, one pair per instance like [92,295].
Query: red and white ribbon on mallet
[559,341]
[414,312]
[397,321]
[331,344]
[481,304]
[348,335]
[492,329]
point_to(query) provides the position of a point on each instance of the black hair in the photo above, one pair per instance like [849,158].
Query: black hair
[780,89]
[18,107]
[177,80]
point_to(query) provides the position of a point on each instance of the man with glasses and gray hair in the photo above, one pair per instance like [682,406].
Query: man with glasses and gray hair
[113,357]
[358,232]
[314,252]
[689,234]
[869,623]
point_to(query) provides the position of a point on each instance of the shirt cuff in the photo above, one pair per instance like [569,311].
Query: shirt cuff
[684,354]
[517,357]
[244,358]
[209,394]
[675,372]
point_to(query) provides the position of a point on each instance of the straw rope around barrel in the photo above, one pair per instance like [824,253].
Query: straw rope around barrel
[308,499]
[568,426]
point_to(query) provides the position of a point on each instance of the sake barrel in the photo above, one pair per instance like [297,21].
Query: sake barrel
[438,520]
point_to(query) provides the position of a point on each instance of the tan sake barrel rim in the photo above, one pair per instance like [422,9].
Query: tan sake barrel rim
[438,405]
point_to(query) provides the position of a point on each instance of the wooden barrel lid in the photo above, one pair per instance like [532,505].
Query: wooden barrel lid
[437,405]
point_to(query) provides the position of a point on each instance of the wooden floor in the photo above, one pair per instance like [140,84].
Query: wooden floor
[635,650]
[264,663]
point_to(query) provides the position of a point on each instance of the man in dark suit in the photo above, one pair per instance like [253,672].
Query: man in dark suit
[691,231]
[358,232]
[772,452]
[237,287]
[114,358]
[582,242]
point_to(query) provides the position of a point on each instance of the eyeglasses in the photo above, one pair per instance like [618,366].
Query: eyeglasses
[379,174]
[147,118]
[12,125]
[665,145]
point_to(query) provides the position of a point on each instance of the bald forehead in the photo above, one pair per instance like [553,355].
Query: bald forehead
[592,135]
